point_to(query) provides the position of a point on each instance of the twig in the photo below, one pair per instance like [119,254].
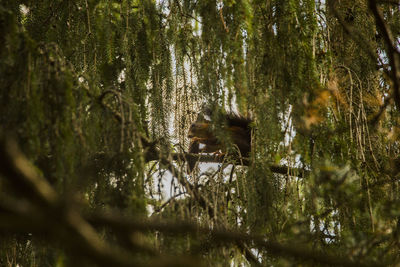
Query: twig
[222,19]
[168,201]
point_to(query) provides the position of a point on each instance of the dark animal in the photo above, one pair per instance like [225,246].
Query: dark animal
[237,137]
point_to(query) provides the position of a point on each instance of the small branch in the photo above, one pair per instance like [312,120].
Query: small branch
[223,21]
[191,189]
[100,101]
[171,199]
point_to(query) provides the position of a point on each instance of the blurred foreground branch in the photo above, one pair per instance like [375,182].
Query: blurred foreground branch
[221,236]
[44,212]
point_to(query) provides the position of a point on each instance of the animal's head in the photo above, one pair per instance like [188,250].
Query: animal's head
[199,130]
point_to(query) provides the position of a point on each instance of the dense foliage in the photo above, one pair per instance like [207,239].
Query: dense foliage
[99,96]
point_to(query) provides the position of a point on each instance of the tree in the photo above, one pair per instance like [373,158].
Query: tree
[95,105]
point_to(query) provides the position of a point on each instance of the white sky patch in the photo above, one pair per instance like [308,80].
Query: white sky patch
[327,228]
[287,126]
[121,76]
[162,184]
[292,163]
[197,25]
[292,160]
[113,181]
[24,9]
[169,184]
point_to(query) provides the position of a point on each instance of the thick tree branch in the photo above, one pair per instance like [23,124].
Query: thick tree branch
[296,172]
[64,221]
[392,2]
[54,216]
[223,236]
[392,51]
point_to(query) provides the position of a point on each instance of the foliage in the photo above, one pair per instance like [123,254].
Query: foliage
[99,96]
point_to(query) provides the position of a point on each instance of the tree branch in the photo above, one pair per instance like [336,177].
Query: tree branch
[62,220]
[296,172]
[392,51]
[223,236]
[54,216]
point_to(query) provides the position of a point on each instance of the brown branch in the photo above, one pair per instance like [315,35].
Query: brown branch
[52,216]
[24,176]
[296,172]
[190,189]
[392,2]
[166,203]
[222,20]
[63,221]
[18,216]
[223,236]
